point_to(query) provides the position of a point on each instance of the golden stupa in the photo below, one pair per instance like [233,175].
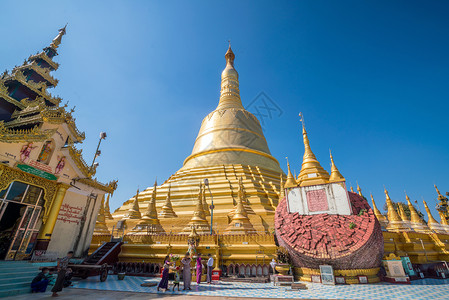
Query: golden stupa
[230,145]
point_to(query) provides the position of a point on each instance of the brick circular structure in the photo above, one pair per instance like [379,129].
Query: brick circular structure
[324,239]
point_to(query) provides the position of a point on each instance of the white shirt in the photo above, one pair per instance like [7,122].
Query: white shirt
[210,262]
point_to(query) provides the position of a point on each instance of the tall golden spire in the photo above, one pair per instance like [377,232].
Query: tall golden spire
[352,189]
[100,225]
[290,182]
[403,216]
[312,173]
[199,217]
[230,93]
[380,217]
[134,211]
[240,223]
[281,188]
[167,209]
[432,223]
[57,40]
[107,211]
[415,221]
[150,222]
[335,174]
[203,200]
[394,221]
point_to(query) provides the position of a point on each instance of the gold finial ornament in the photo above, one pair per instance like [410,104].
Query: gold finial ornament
[134,211]
[199,217]
[167,209]
[57,40]
[335,173]
[240,223]
[312,173]
[290,182]
[107,210]
[380,217]
[100,225]
[416,222]
[352,189]
[394,221]
[230,93]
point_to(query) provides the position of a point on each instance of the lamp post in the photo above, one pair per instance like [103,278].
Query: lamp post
[206,183]
[98,152]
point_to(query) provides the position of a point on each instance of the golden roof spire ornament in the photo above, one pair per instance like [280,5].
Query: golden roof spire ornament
[380,217]
[432,223]
[199,217]
[442,208]
[312,173]
[352,189]
[240,223]
[167,209]
[416,222]
[150,223]
[335,173]
[359,189]
[107,211]
[394,221]
[100,225]
[230,93]
[57,40]
[290,182]
[134,211]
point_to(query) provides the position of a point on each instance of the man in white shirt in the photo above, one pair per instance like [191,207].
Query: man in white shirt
[210,267]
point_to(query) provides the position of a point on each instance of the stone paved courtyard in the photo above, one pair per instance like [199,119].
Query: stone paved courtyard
[130,288]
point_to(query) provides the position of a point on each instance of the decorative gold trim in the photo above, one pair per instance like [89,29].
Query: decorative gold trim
[230,150]
[76,155]
[24,135]
[44,56]
[44,73]
[39,88]
[5,95]
[8,175]
[110,187]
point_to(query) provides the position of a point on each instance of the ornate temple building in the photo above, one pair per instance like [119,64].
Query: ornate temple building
[231,199]
[49,197]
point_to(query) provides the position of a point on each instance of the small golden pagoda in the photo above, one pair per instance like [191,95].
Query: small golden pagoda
[380,217]
[199,220]
[133,211]
[416,222]
[335,173]
[291,182]
[395,223]
[404,217]
[149,223]
[204,202]
[107,211]
[312,173]
[240,224]
[167,210]
[100,224]
[282,188]
[432,223]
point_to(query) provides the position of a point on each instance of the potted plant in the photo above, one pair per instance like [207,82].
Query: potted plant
[283,261]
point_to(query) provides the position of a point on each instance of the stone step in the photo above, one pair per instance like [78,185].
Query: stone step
[14,292]
[19,274]
[15,279]
[18,284]
[12,269]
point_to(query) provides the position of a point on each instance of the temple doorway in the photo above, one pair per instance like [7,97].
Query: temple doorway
[20,220]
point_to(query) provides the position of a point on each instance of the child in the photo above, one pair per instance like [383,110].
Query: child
[177,279]
[40,282]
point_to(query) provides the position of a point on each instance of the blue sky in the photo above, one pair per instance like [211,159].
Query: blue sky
[371,78]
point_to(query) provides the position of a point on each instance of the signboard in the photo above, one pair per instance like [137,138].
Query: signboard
[407,264]
[327,274]
[317,201]
[37,172]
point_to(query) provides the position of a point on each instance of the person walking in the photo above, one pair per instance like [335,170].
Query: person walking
[199,269]
[62,269]
[163,284]
[210,267]
[186,274]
